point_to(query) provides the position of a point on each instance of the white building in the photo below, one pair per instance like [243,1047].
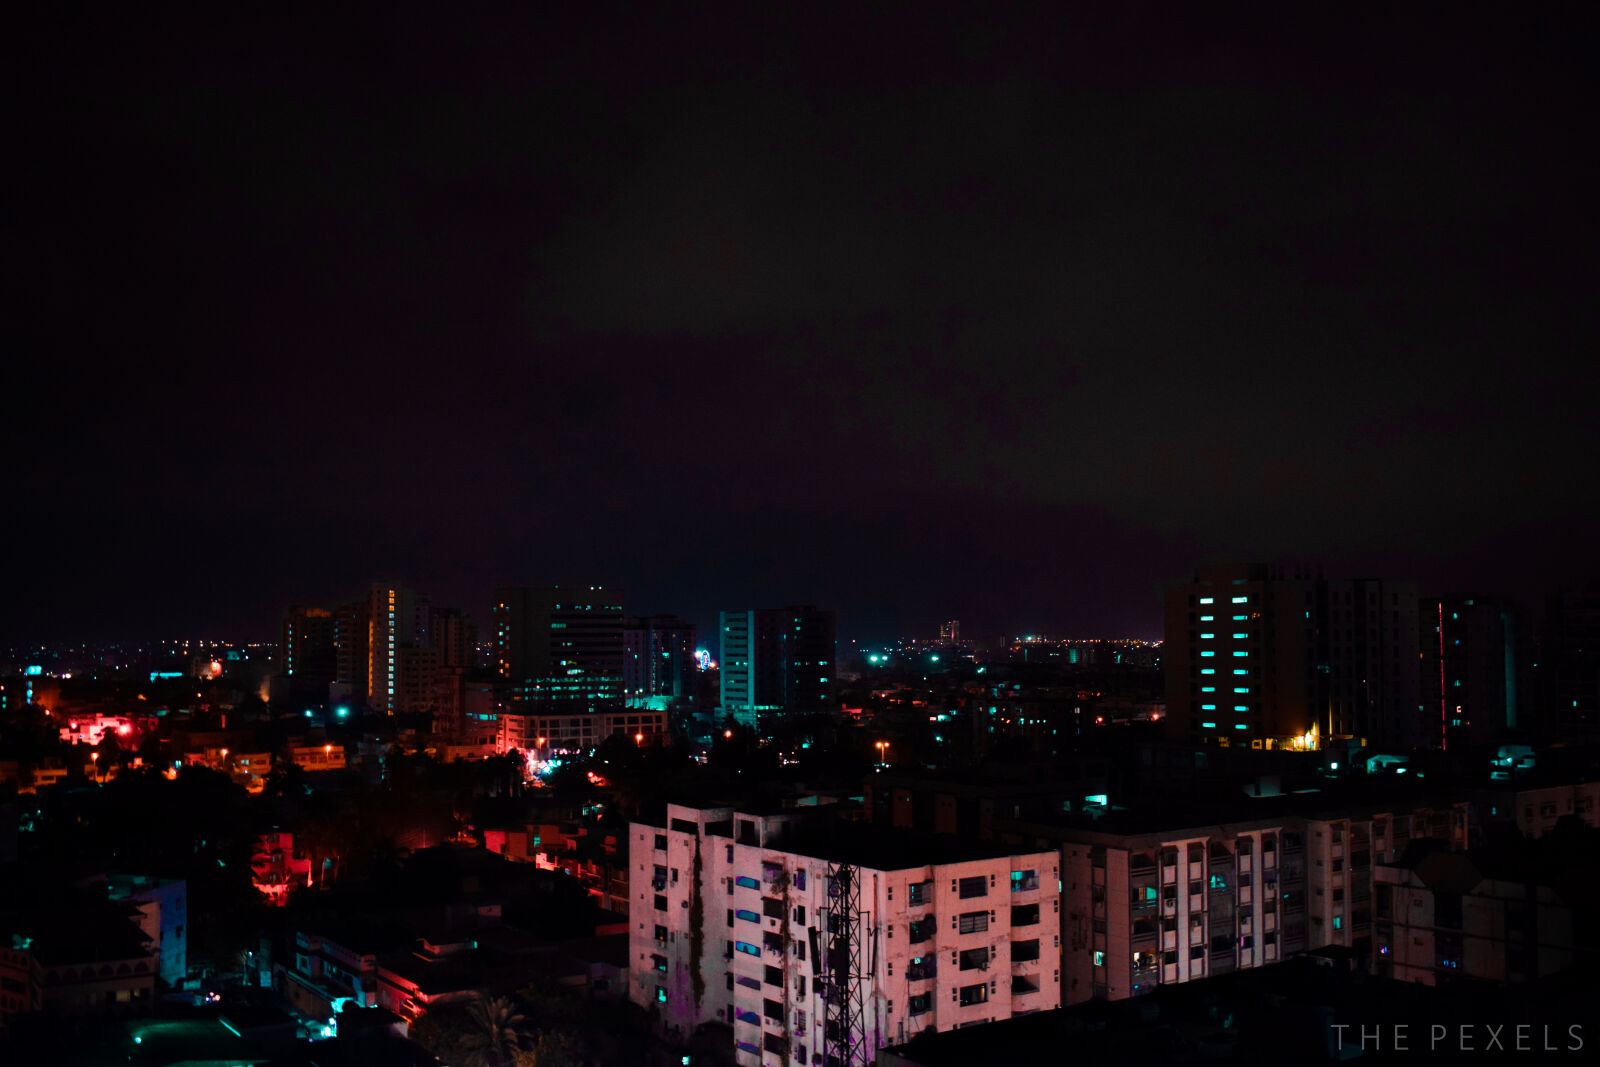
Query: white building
[163,916]
[750,920]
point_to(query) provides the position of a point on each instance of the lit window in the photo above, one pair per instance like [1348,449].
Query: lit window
[1241,600]
[1240,637]
[1207,637]
[1208,670]
[1205,600]
[1208,652]
[1208,707]
[1208,725]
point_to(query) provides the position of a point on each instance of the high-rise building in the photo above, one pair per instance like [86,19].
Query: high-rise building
[397,626]
[776,659]
[1278,659]
[1571,665]
[455,637]
[825,943]
[658,663]
[305,649]
[1470,690]
[350,635]
[560,645]
[950,633]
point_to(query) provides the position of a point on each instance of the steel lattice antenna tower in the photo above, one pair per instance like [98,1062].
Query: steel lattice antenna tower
[844,1030]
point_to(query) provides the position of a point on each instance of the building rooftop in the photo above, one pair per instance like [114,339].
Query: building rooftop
[884,849]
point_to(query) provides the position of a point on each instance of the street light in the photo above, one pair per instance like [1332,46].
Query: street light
[882,749]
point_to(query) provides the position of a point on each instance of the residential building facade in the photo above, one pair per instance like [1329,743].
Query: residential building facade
[782,932]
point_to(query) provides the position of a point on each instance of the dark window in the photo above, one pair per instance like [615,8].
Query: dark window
[973,922]
[1024,914]
[661,903]
[661,842]
[1025,951]
[974,994]
[973,887]
[974,959]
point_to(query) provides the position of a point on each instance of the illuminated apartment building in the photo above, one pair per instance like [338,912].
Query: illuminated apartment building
[1470,692]
[560,645]
[1148,901]
[806,938]
[658,665]
[1271,659]
[306,645]
[776,659]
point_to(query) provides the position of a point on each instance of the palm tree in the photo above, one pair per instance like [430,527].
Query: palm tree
[496,1031]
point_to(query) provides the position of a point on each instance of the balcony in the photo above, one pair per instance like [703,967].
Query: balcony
[1022,984]
[974,959]
[922,968]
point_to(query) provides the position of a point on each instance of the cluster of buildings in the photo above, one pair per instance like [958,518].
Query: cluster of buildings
[563,668]
[825,930]
[1281,657]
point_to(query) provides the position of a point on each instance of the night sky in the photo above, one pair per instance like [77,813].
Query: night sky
[1009,317]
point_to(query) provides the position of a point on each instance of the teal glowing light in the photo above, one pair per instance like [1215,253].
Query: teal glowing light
[1209,725]
[343,712]
[1241,600]
[1208,670]
[1205,600]
[1240,726]
[1207,653]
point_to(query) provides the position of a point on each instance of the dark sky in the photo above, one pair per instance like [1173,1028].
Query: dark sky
[1009,317]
